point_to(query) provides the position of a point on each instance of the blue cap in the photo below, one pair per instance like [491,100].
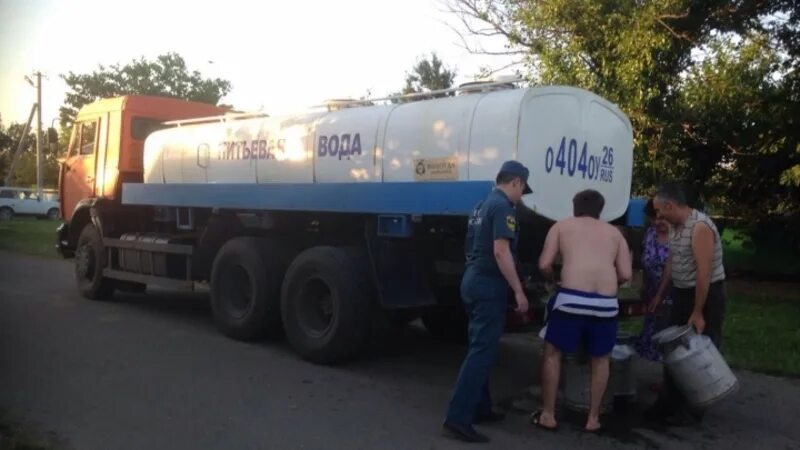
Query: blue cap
[516,168]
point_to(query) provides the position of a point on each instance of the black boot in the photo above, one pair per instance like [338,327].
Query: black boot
[464,432]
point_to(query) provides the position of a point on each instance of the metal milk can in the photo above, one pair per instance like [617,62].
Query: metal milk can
[696,365]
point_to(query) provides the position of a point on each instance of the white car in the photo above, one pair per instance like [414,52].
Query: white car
[25,202]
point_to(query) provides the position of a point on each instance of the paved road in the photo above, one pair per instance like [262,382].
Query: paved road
[151,372]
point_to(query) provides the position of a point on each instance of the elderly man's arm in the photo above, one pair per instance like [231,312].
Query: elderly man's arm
[703,251]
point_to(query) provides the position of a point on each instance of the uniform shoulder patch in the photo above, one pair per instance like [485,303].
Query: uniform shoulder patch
[511,222]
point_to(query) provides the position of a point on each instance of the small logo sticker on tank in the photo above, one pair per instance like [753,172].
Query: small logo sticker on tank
[436,169]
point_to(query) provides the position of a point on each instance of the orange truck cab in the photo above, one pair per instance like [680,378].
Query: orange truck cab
[105,150]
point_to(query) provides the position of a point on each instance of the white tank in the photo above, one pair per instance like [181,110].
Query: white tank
[570,139]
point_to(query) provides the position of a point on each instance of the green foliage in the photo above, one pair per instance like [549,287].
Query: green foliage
[166,76]
[428,75]
[5,139]
[6,142]
[25,168]
[711,86]
[735,135]
[791,176]
[765,251]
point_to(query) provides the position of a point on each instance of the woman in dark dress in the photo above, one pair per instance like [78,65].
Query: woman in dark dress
[655,252]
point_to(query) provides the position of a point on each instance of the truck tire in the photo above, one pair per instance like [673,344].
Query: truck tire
[52,214]
[326,303]
[246,287]
[90,259]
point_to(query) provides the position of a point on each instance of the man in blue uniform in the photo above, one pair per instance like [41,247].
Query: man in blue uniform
[490,246]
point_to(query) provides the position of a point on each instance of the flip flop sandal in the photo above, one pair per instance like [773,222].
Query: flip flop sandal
[535,420]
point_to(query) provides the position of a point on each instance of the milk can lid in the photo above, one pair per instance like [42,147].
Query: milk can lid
[672,333]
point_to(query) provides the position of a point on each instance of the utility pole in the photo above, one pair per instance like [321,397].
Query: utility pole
[39,135]
[20,146]
[38,106]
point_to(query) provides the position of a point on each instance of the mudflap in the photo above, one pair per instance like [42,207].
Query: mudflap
[62,241]
[399,268]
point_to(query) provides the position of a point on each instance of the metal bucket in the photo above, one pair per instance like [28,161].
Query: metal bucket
[576,378]
[622,373]
[697,367]
[576,382]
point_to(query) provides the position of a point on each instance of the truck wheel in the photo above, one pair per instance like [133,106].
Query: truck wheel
[447,324]
[90,259]
[52,214]
[326,303]
[6,214]
[246,286]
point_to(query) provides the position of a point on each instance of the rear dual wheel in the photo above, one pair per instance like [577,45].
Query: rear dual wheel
[246,287]
[327,302]
[324,303]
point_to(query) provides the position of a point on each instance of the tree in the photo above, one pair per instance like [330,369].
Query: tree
[6,142]
[657,60]
[786,32]
[25,168]
[5,139]
[428,75]
[166,76]
[735,139]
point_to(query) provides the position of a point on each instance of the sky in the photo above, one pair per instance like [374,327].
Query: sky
[280,56]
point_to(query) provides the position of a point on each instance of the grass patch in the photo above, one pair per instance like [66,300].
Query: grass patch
[762,327]
[631,325]
[762,332]
[29,235]
[14,436]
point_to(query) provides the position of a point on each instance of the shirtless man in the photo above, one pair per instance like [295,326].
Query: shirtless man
[584,310]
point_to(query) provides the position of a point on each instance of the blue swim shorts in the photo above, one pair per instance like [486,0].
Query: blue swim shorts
[566,331]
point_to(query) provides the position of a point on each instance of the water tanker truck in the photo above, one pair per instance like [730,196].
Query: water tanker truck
[333,224]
